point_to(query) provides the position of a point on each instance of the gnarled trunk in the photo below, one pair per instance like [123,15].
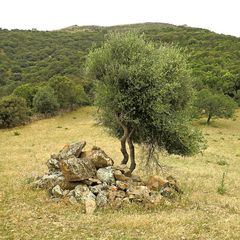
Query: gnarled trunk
[132,154]
[209,118]
[123,145]
[123,139]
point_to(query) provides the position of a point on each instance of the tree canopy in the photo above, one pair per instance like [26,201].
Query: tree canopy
[213,104]
[144,94]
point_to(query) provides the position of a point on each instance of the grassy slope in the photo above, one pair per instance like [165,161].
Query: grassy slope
[201,214]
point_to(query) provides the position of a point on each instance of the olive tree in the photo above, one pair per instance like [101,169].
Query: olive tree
[144,94]
[214,105]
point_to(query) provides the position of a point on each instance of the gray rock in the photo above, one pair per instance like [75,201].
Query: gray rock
[49,180]
[168,192]
[73,149]
[122,185]
[124,169]
[101,199]
[99,158]
[73,200]
[57,192]
[76,169]
[53,165]
[96,189]
[120,176]
[139,193]
[106,175]
[82,192]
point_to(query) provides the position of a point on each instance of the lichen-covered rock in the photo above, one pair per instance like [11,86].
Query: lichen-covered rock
[96,189]
[71,150]
[57,192]
[122,185]
[53,165]
[124,169]
[120,176]
[102,199]
[168,192]
[99,158]
[49,181]
[106,175]
[139,193]
[156,183]
[77,169]
[82,192]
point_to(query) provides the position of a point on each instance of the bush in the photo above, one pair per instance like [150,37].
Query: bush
[27,92]
[65,91]
[13,111]
[214,104]
[45,101]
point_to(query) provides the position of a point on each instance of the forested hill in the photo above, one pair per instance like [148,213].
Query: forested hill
[36,56]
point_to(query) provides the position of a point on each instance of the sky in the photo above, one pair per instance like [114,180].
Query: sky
[221,16]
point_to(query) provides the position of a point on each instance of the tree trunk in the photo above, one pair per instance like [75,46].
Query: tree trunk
[132,154]
[123,140]
[209,118]
[123,145]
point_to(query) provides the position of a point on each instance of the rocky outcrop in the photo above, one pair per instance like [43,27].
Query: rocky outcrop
[91,178]
[77,169]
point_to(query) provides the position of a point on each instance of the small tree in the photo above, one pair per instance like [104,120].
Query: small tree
[27,92]
[65,91]
[144,94]
[45,101]
[13,111]
[214,105]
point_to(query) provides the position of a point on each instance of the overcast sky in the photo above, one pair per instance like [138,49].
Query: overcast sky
[221,16]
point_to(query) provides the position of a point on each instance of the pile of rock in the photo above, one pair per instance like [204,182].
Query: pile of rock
[92,178]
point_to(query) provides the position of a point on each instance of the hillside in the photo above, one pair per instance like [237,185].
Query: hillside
[202,213]
[35,56]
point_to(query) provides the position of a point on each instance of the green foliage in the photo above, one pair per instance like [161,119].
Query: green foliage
[45,101]
[147,89]
[214,104]
[35,57]
[222,189]
[67,93]
[27,92]
[13,111]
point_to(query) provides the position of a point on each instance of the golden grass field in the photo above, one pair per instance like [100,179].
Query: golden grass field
[202,213]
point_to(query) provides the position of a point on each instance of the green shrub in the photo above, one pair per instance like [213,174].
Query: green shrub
[13,111]
[27,92]
[65,91]
[45,101]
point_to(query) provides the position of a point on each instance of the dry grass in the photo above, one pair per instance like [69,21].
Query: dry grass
[202,213]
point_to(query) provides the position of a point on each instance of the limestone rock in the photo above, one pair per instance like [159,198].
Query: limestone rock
[106,175]
[156,183]
[96,189]
[99,158]
[120,176]
[53,165]
[168,192]
[77,169]
[49,181]
[172,182]
[139,193]
[71,150]
[122,185]
[90,205]
[73,200]
[57,192]
[102,199]
[82,192]
[124,169]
